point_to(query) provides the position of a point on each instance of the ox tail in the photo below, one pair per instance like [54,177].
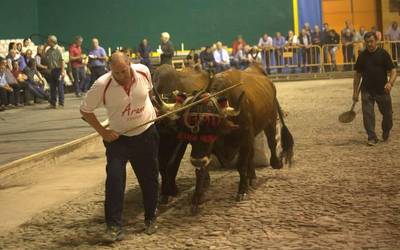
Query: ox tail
[287,141]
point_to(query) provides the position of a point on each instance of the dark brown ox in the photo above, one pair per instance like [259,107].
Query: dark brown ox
[168,81]
[258,110]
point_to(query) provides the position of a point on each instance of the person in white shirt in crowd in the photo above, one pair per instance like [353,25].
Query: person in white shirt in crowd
[125,94]
[221,58]
[265,43]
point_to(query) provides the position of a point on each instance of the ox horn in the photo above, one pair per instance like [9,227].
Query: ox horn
[230,111]
[186,114]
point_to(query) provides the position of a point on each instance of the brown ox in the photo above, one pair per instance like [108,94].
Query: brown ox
[258,110]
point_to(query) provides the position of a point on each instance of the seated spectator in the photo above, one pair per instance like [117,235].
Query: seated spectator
[14,56]
[12,45]
[144,52]
[192,60]
[97,61]
[20,86]
[19,48]
[28,56]
[221,58]
[39,60]
[235,44]
[207,59]
[11,86]
[35,82]
[28,44]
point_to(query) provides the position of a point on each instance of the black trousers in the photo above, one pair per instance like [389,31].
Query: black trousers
[385,107]
[142,152]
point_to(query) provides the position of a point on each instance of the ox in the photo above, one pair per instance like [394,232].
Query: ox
[216,127]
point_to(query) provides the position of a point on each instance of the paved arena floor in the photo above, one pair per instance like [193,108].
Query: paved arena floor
[340,193]
[31,129]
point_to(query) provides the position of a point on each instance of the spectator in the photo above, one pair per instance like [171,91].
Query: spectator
[19,48]
[305,43]
[55,64]
[193,60]
[292,42]
[307,27]
[6,91]
[167,49]
[377,32]
[19,86]
[27,44]
[240,59]
[97,61]
[207,59]
[253,55]
[13,55]
[332,46]
[235,44]
[12,45]
[279,43]
[325,44]
[28,56]
[221,58]
[78,69]
[39,59]
[265,44]
[316,39]
[348,49]
[35,82]
[144,52]
[393,35]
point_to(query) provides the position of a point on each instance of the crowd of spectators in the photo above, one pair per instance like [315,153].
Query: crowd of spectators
[32,74]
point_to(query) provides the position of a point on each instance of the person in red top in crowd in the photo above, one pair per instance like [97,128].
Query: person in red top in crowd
[239,40]
[77,67]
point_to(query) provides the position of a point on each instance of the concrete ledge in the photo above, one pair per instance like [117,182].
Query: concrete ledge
[51,156]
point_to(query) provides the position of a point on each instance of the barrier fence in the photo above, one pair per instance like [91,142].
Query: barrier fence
[320,59]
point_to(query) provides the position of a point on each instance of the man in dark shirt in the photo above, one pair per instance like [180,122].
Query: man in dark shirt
[167,49]
[372,66]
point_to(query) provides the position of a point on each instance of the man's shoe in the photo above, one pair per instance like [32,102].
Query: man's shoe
[61,105]
[385,136]
[51,106]
[150,226]
[372,142]
[114,233]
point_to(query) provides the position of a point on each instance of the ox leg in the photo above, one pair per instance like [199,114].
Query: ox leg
[171,152]
[243,163]
[270,132]
[202,183]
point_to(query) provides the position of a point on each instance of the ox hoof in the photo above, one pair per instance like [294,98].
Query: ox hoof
[253,183]
[277,166]
[241,197]
[195,209]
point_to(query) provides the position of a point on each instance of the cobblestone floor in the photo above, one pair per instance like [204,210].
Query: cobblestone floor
[340,193]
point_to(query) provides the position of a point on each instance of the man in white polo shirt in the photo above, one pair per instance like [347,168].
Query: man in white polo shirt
[124,92]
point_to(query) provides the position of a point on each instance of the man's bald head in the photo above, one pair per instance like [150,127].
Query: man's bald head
[120,67]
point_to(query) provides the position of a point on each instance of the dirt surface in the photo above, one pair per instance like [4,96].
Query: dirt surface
[340,193]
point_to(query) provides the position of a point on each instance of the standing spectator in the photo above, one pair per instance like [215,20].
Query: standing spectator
[307,27]
[167,49]
[221,58]
[55,64]
[78,69]
[144,52]
[359,40]
[348,49]
[332,46]
[265,43]
[377,32]
[279,43]
[316,39]
[325,47]
[235,44]
[97,61]
[305,43]
[292,42]
[372,66]
[207,59]
[124,92]
[393,35]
